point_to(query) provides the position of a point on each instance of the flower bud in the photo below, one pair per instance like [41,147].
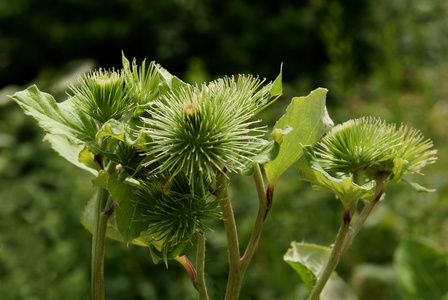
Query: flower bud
[101,95]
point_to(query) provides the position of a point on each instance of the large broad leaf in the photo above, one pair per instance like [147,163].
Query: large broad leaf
[129,216]
[422,269]
[69,127]
[58,118]
[76,154]
[112,232]
[344,188]
[308,260]
[88,218]
[308,119]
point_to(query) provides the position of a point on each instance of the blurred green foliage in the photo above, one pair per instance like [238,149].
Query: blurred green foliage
[386,59]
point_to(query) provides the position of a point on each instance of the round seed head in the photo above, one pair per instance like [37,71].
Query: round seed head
[101,95]
[371,144]
[354,145]
[174,215]
[201,130]
[142,82]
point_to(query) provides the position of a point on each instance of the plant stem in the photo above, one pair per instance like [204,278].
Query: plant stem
[103,209]
[363,215]
[233,283]
[185,262]
[238,265]
[98,242]
[259,221]
[200,266]
[334,257]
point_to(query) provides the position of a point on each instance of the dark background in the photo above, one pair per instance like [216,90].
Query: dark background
[382,58]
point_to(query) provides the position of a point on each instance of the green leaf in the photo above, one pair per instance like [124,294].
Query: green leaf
[87,219]
[88,159]
[158,255]
[422,269]
[308,260]
[58,118]
[76,129]
[140,110]
[102,180]
[169,82]
[112,232]
[344,188]
[267,153]
[126,137]
[398,170]
[277,134]
[277,87]
[130,221]
[275,91]
[309,120]
[155,255]
[122,132]
[75,154]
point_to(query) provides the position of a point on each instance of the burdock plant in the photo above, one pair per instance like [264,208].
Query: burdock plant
[357,160]
[163,153]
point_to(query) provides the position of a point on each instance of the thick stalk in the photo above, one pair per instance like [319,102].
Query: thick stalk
[98,230]
[233,290]
[334,257]
[200,267]
[103,208]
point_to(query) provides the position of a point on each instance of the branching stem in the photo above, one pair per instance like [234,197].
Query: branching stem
[361,219]
[233,289]
[238,265]
[334,257]
[346,235]
[259,222]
